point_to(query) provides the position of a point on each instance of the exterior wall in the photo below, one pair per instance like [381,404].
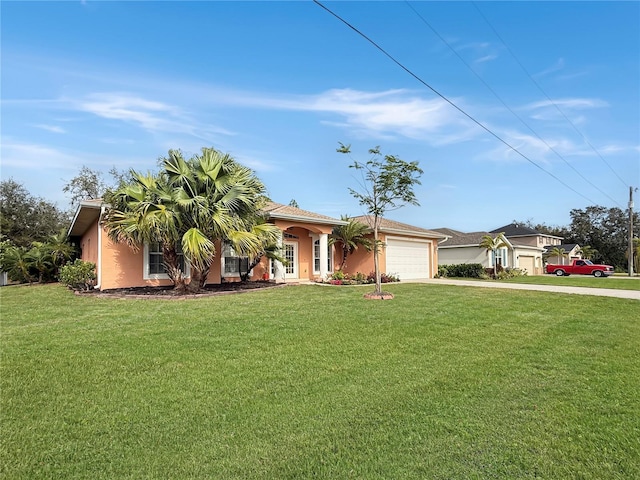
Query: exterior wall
[89,245]
[122,267]
[537,240]
[457,255]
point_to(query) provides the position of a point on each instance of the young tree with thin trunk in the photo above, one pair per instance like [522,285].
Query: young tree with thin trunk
[387,184]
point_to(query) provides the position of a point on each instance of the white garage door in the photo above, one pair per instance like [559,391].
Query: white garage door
[408,259]
[527,263]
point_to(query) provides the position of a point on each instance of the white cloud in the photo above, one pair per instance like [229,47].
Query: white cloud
[152,116]
[51,128]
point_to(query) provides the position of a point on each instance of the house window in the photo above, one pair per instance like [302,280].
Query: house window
[316,257]
[501,257]
[154,261]
[234,264]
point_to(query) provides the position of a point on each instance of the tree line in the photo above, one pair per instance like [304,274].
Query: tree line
[602,231]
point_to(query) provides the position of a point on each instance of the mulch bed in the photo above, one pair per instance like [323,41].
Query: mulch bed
[170,293]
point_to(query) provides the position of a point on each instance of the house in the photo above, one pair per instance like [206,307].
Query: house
[305,243]
[522,237]
[462,247]
[572,251]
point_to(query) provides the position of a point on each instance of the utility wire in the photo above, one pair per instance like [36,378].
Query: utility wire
[547,96]
[507,106]
[481,125]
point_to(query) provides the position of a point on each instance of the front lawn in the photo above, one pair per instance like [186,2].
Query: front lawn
[579,281]
[316,382]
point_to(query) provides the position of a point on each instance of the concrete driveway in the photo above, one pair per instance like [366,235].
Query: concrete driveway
[601,292]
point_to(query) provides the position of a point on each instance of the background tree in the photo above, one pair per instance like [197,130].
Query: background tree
[24,218]
[604,229]
[386,184]
[491,245]
[588,252]
[293,203]
[86,185]
[350,237]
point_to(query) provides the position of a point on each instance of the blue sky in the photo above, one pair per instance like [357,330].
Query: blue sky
[279,84]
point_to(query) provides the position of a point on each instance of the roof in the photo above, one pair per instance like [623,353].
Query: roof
[391,226]
[519,230]
[87,213]
[567,247]
[287,212]
[461,239]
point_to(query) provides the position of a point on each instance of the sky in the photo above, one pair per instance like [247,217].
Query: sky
[514,110]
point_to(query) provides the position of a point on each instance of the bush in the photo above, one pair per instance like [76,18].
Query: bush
[384,278]
[78,275]
[511,273]
[462,270]
[443,272]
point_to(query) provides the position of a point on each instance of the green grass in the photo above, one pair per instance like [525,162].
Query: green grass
[579,281]
[315,382]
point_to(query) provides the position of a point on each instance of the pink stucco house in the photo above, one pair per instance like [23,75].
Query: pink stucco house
[410,252]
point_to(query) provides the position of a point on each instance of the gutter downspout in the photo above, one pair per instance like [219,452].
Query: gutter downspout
[99,266]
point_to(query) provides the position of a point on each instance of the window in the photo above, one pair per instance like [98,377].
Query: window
[501,257]
[316,257]
[233,264]
[154,261]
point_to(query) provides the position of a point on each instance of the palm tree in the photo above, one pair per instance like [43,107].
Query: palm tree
[61,251]
[588,252]
[195,203]
[17,264]
[350,237]
[559,253]
[491,244]
[39,259]
[143,211]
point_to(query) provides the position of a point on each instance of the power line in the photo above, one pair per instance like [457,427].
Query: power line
[481,125]
[507,106]
[547,96]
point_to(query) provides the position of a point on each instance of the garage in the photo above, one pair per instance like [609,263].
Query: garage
[527,263]
[408,259]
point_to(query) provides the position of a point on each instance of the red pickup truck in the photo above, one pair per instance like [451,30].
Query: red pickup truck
[581,267]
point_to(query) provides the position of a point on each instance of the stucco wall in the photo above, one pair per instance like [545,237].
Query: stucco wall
[454,256]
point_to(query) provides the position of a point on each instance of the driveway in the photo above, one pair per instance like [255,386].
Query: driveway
[602,292]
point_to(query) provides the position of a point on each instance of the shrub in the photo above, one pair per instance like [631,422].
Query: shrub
[78,275]
[442,271]
[384,278]
[510,273]
[463,270]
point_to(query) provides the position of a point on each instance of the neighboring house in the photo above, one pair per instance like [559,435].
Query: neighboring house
[461,247]
[572,252]
[305,242]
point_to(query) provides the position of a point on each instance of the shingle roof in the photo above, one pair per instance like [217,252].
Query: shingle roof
[514,229]
[278,210]
[567,247]
[391,226]
[459,239]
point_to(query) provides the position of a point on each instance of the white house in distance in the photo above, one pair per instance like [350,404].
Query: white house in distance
[525,247]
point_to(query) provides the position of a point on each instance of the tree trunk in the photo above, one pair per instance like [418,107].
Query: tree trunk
[170,257]
[376,261]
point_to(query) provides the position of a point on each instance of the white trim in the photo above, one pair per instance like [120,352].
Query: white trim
[158,276]
[294,266]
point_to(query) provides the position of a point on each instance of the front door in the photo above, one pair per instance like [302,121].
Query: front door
[291,255]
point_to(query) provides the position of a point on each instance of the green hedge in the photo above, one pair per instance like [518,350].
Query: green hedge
[462,270]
